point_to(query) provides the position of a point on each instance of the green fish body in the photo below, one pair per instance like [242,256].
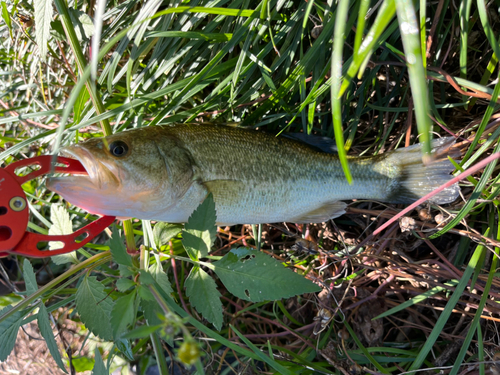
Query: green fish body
[165,172]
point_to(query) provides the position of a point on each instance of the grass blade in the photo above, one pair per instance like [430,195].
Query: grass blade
[409,28]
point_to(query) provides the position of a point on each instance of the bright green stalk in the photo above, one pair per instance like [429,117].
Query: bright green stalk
[409,28]
[337,57]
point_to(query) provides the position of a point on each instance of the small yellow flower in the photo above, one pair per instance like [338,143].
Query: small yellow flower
[188,353]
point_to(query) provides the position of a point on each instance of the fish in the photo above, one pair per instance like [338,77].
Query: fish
[165,172]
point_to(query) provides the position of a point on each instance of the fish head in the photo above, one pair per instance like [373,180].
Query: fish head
[129,174]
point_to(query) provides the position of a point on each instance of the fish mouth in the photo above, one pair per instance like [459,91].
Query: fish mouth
[97,173]
[93,191]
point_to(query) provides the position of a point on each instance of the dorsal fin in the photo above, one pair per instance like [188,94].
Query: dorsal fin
[323,144]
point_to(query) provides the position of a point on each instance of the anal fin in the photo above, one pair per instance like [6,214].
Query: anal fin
[324,213]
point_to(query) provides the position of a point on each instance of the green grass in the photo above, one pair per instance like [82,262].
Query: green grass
[258,64]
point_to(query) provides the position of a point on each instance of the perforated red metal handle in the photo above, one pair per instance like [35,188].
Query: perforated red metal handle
[14,212]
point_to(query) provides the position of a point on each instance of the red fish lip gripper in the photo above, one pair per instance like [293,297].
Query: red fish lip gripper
[14,211]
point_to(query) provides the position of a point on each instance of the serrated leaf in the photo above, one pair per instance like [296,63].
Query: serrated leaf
[125,348]
[254,276]
[123,284]
[146,278]
[48,335]
[118,249]
[123,313]
[95,306]
[164,232]
[204,296]
[200,231]
[126,271]
[61,224]
[151,309]
[43,18]
[87,24]
[156,270]
[83,24]
[99,367]
[29,277]
[145,293]
[8,332]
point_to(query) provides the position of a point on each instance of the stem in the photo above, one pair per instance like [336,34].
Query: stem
[174,267]
[82,62]
[128,229]
[166,306]
[94,95]
[105,257]
[160,358]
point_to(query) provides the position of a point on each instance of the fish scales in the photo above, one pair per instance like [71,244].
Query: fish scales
[273,177]
[255,177]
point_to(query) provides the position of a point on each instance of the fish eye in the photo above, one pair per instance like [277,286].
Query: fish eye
[118,149]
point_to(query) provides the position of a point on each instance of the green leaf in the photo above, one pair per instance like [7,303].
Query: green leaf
[10,299]
[48,335]
[99,367]
[57,30]
[145,293]
[82,364]
[204,296]
[216,37]
[156,270]
[254,276]
[200,231]
[337,57]
[43,18]
[61,224]
[126,271]
[29,277]
[124,347]
[146,278]
[123,313]
[82,24]
[164,232]
[82,99]
[94,307]
[210,10]
[8,332]
[151,310]
[418,299]
[118,249]
[143,331]
[124,284]
[6,17]
[418,81]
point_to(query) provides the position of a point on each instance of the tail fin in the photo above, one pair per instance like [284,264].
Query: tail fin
[416,179]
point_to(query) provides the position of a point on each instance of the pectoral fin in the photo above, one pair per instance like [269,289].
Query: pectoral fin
[324,213]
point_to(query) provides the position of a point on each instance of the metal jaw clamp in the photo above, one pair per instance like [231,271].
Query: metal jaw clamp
[14,211]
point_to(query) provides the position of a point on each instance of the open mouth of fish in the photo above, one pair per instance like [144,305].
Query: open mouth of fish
[99,176]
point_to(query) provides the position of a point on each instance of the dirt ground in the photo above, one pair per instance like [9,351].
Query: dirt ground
[31,355]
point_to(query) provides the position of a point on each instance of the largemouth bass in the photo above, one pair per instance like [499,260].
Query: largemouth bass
[164,173]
